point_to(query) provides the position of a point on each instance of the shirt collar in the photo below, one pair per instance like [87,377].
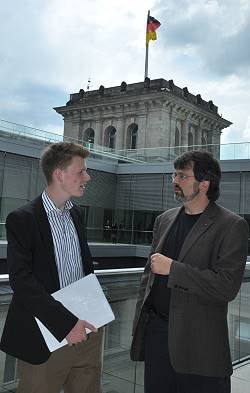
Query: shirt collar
[50,206]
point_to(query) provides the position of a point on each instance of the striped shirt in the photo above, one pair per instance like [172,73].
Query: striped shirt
[65,240]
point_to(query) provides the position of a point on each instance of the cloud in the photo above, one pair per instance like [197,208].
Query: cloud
[32,104]
[206,49]
[216,33]
[49,49]
[246,131]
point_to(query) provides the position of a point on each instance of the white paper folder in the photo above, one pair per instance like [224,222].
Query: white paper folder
[86,300]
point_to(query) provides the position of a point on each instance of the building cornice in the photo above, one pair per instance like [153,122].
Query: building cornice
[150,92]
[139,106]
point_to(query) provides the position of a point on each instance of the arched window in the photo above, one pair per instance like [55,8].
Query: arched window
[134,138]
[110,137]
[132,135]
[89,136]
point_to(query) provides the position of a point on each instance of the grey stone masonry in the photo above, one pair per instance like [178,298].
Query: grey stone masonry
[149,114]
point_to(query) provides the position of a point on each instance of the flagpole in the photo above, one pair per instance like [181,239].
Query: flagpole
[146,55]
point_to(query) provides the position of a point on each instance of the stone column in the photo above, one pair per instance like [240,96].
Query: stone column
[98,132]
[197,136]
[216,133]
[67,127]
[155,133]
[172,153]
[166,126]
[142,130]
[120,133]
[82,128]
[72,128]
[199,131]
[184,135]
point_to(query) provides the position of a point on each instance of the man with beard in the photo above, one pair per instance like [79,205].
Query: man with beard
[194,269]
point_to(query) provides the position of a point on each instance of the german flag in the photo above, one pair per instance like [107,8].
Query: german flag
[152,25]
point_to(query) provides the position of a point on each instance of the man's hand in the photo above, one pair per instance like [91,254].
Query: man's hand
[160,264]
[78,333]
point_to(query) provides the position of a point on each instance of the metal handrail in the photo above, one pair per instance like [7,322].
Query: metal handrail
[4,278]
[100,272]
[106,272]
[241,362]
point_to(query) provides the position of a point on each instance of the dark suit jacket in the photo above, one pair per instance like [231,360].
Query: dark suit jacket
[33,277]
[207,275]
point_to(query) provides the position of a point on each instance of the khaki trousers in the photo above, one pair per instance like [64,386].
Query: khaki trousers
[76,369]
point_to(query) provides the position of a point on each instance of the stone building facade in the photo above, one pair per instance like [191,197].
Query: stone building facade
[149,114]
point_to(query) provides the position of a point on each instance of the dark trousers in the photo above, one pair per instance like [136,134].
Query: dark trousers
[160,376]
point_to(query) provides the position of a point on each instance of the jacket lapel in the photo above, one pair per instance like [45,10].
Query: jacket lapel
[85,254]
[166,224]
[201,226]
[44,228]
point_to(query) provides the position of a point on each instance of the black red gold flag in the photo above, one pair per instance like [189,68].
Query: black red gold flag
[152,26]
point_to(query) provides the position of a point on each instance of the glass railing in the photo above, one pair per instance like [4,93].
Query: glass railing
[100,235]
[36,134]
[119,236]
[120,374]
[227,151]
[239,321]
[22,130]
[2,231]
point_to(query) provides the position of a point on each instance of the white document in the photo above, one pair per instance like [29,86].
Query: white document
[86,300]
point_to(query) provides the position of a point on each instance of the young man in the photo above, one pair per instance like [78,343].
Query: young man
[195,268]
[47,250]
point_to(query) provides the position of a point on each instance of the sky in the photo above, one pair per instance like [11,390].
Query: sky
[50,48]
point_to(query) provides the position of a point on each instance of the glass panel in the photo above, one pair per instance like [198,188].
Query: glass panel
[120,374]
[229,151]
[6,206]
[121,292]
[230,191]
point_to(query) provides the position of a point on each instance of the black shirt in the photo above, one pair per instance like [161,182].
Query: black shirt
[159,297]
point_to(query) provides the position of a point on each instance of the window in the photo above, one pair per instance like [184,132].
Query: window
[110,137]
[132,135]
[89,135]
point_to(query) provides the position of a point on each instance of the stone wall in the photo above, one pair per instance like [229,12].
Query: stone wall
[163,114]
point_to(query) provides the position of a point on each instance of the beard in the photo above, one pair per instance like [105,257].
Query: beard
[180,197]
